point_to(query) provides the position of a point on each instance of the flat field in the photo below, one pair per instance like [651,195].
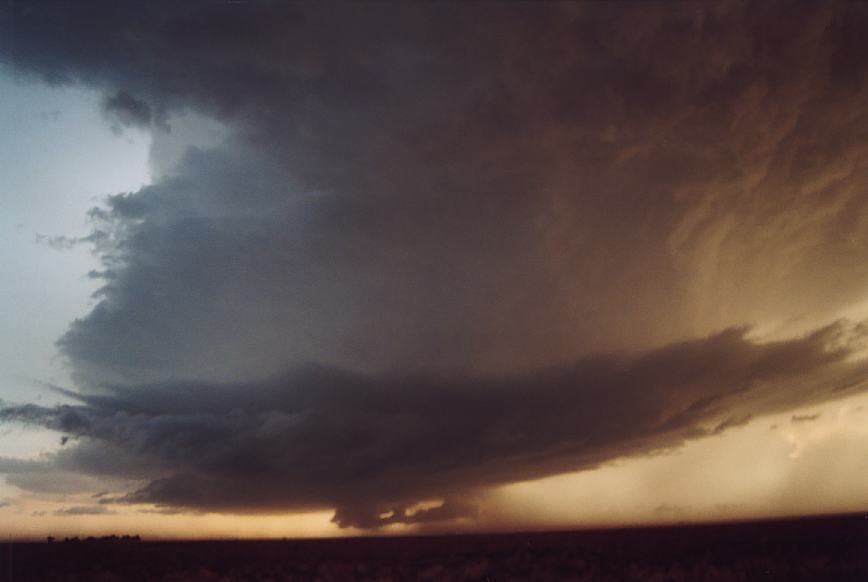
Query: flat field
[810,549]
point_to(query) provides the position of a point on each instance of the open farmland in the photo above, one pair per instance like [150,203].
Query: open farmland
[828,548]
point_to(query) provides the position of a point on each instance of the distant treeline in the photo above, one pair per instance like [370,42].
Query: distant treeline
[92,539]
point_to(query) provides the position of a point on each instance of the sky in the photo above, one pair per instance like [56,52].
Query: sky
[277,270]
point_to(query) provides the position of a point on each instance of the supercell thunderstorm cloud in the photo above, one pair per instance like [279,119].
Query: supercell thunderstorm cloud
[444,247]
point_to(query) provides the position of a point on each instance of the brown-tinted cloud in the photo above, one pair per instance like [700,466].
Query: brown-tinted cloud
[79,510]
[449,198]
[372,447]
[488,187]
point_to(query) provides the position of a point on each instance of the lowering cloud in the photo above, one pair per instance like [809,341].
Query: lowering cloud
[373,446]
[497,229]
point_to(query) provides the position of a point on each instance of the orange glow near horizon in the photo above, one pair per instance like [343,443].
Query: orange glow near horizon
[773,467]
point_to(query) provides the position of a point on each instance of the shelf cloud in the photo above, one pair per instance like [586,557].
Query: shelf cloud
[374,446]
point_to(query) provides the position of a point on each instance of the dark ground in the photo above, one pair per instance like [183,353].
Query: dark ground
[829,548]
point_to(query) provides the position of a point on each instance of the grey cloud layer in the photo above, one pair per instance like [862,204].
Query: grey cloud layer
[321,437]
[453,191]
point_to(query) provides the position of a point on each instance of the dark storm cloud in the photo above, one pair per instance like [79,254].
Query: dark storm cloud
[483,187]
[122,109]
[373,446]
[732,422]
[435,202]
